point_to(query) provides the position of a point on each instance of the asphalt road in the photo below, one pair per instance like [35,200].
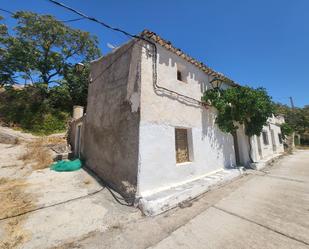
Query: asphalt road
[270,210]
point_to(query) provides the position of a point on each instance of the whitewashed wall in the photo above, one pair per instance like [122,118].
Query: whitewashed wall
[274,146]
[266,151]
[162,112]
[243,145]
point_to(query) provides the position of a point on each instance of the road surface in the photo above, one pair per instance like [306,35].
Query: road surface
[50,210]
[271,210]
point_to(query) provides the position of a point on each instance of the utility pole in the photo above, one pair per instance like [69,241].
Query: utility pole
[293,117]
[292,102]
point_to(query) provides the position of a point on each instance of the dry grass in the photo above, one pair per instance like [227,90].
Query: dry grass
[17,141]
[3,180]
[55,139]
[87,181]
[14,201]
[38,154]
[14,236]
[302,147]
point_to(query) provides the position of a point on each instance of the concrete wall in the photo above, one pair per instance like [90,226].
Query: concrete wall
[243,145]
[261,151]
[111,127]
[162,112]
[274,146]
[129,127]
[72,135]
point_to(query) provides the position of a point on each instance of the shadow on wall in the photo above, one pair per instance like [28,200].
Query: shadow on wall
[183,100]
[171,60]
[219,141]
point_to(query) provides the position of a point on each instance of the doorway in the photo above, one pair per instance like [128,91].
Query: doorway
[78,141]
[259,146]
[273,141]
[236,148]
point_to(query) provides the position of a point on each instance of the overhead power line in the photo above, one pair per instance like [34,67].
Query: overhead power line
[93,19]
[7,11]
[74,20]
[292,102]
[155,83]
[65,21]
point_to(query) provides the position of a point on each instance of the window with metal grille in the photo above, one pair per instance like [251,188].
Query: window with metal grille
[265,137]
[181,145]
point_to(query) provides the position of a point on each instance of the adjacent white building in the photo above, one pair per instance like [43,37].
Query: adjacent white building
[264,147]
[147,134]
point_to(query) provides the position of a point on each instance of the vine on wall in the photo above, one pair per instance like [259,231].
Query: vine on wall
[240,105]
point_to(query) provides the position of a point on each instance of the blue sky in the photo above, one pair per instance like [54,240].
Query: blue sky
[256,43]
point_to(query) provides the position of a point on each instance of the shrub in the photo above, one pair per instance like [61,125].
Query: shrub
[286,130]
[30,109]
[50,123]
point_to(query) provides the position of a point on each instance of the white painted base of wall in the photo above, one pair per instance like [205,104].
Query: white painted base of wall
[209,150]
[162,201]
[264,162]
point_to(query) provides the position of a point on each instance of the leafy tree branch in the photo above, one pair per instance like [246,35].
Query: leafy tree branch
[241,105]
[40,54]
[41,47]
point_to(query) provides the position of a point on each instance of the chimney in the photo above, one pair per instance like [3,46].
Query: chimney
[78,111]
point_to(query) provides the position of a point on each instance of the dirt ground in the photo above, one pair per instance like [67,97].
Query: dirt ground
[41,208]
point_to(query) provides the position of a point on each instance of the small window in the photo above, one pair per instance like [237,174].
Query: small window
[179,75]
[181,145]
[265,137]
[280,138]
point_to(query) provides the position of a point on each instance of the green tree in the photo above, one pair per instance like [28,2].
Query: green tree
[72,91]
[286,130]
[42,51]
[77,84]
[6,70]
[43,47]
[296,118]
[241,105]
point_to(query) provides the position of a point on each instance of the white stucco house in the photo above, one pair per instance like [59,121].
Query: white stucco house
[148,136]
[265,147]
